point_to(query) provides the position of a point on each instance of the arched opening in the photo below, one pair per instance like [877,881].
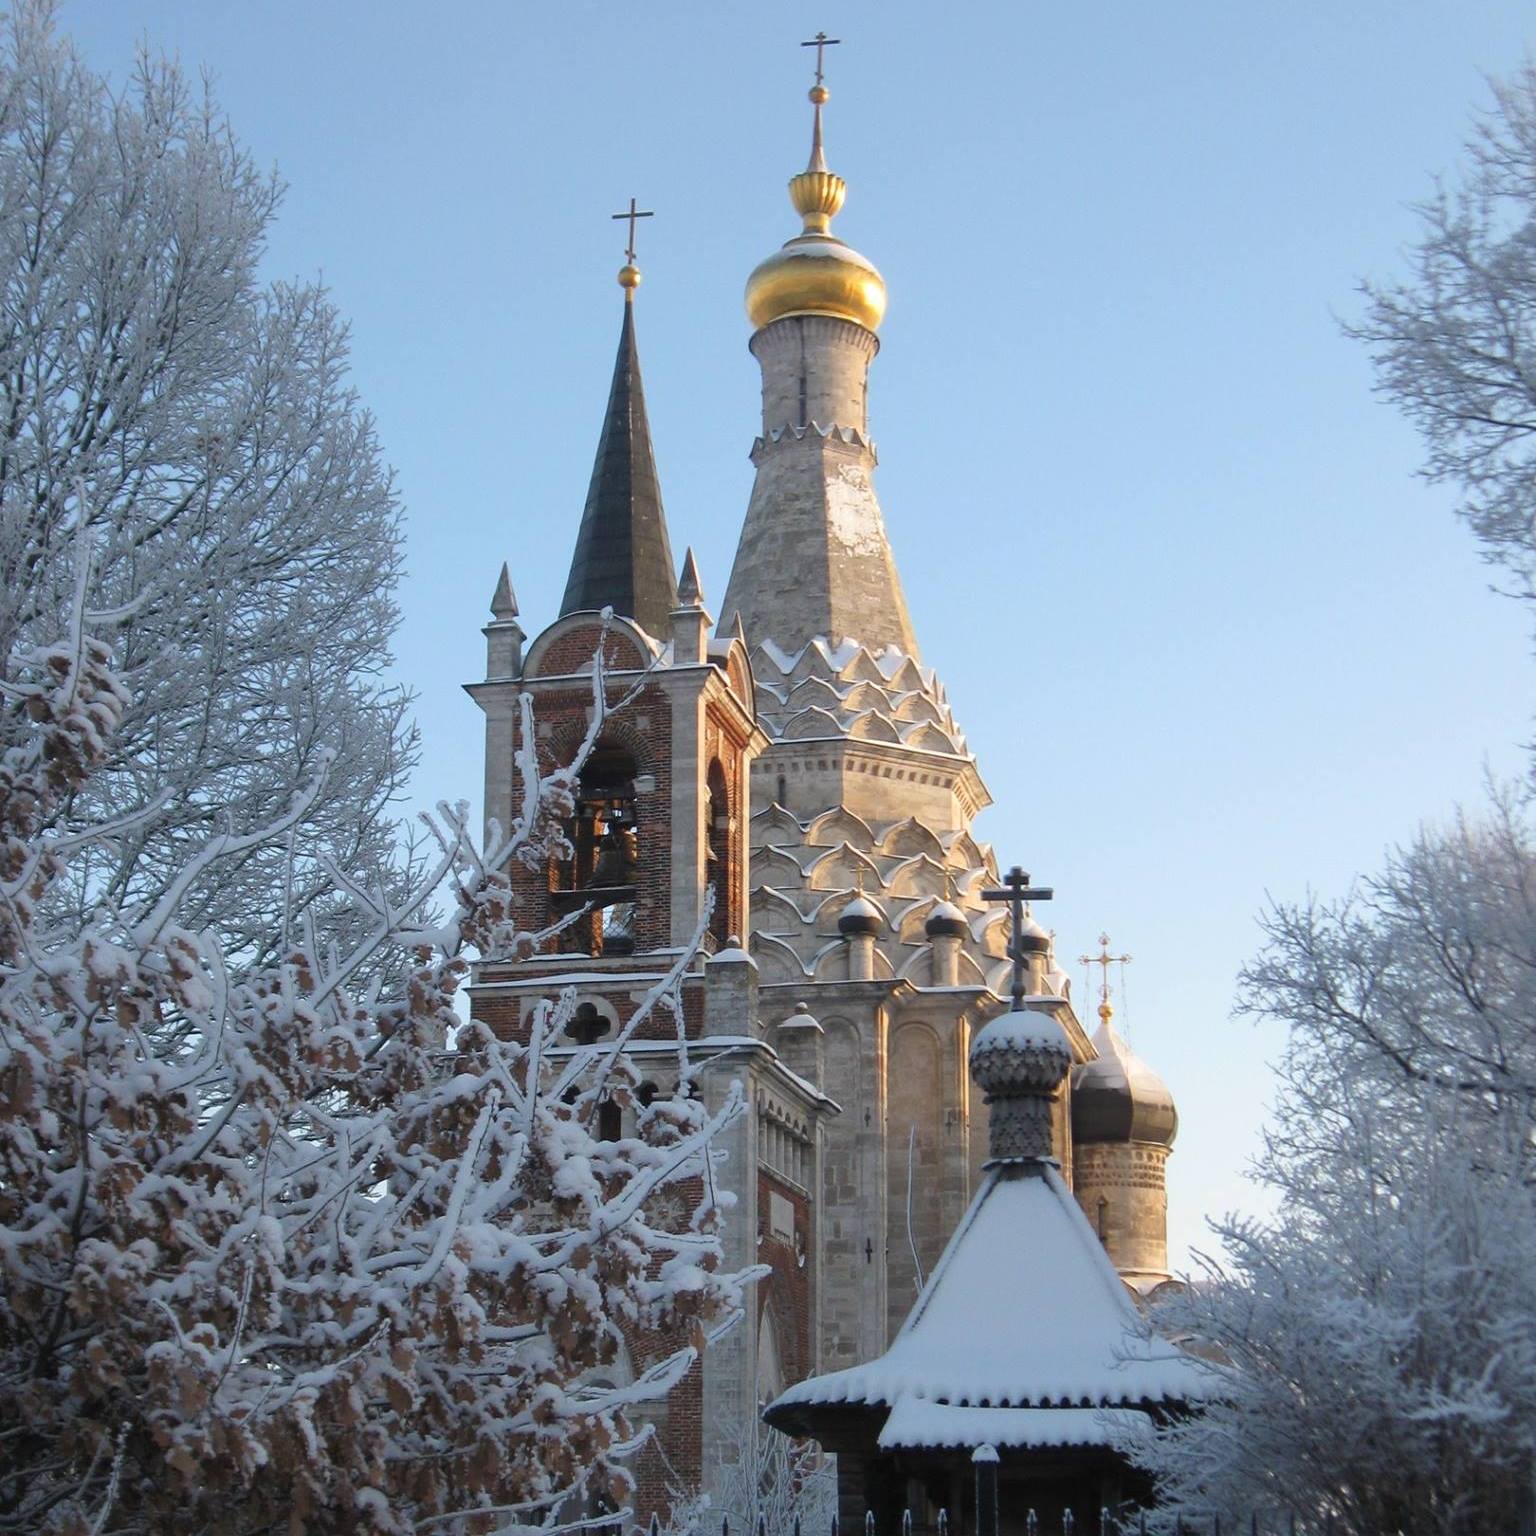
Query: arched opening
[720,874]
[770,1362]
[610,1120]
[605,852]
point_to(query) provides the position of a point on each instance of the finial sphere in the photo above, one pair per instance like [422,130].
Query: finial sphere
[629,276]
[820,95]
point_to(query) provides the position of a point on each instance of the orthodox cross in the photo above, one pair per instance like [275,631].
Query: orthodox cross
[821,42]
[1015,892]
[1104,959]
[632,213]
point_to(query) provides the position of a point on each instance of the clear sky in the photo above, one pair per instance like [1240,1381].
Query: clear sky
[1207,633]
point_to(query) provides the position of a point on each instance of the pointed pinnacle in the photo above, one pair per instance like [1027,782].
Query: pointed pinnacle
[690,590]
[738,630]
[504,600]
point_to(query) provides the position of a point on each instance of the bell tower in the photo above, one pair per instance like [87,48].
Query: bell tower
[627,673]
[648,898]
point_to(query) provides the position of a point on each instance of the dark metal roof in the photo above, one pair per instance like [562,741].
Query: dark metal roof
[623,559]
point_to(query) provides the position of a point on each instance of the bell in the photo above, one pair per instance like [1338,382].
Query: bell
[617,858]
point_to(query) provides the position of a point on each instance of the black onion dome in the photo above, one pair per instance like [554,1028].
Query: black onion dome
[1033,939]
[946,921]
[861,915]
[1119,1097]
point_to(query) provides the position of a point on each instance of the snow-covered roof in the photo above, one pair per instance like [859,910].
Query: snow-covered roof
[1023,1310]
[915,1421]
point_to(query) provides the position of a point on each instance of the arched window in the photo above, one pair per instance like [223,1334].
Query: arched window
[770,1365]
[610,1120]
[605,858]
[720,873]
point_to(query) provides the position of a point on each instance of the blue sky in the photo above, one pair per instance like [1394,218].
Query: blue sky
[1208,634]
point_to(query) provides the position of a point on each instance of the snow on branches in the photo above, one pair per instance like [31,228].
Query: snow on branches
[1375,1337]
[280,1247]
[245,530]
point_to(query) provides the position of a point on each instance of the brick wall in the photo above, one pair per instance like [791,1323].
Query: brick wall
[787,1291]
[503,1010]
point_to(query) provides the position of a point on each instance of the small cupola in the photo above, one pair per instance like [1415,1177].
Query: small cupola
[1019,1061]
[1119,1097]
[861,915]
[1033,939]
[946,921]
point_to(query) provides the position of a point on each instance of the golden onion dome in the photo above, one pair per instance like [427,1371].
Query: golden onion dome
[816,273]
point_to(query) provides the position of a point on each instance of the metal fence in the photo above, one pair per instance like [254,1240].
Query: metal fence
[1101,1522]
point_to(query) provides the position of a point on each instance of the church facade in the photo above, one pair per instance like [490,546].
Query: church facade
[789,790]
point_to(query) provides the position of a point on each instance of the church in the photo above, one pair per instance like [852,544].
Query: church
[788,785]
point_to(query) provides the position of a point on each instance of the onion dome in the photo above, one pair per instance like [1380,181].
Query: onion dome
[861,915]
[1119,1097]
[1033,939]
[816,273]
[946,921]
[1019,1061]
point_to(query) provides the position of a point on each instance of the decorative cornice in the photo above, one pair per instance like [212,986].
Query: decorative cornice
[762,446]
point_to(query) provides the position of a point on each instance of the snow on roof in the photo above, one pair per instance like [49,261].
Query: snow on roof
[732,952]
[1021,1029]
[1023,1309]
[915,1421]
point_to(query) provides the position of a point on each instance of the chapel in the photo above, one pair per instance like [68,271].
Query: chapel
[787,783]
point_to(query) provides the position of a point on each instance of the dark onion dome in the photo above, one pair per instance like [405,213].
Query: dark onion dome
[1033,939]
[946,921]
[1119,1097]
[861,915]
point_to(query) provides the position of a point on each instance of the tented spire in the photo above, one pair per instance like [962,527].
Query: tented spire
[504,599]
[623,559]
[690,589]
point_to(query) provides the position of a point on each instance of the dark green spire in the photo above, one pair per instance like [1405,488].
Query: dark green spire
[623,559]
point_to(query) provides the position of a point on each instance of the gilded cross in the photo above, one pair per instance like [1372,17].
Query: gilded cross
[632,213]
[1016,892]
[821,42]
[1104,959]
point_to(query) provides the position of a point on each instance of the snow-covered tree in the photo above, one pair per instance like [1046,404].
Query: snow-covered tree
[1376,1339]
[1455,344]
[766,1481]
[283,1249]
[200,422]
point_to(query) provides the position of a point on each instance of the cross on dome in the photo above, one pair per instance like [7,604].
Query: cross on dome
[1105,960]
[821,42]
[629,273]
[1016,892]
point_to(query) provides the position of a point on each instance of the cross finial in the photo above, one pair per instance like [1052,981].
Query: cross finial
[821,42]
[1104,959]
[1015,893]
[632,213]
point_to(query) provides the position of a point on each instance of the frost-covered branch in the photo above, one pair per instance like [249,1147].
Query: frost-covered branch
[269,1244]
